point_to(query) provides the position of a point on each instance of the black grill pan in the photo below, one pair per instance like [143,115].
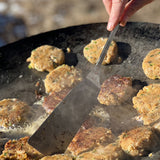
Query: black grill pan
[134,42]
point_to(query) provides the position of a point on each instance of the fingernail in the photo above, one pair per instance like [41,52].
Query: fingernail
[124,21]
[109,27]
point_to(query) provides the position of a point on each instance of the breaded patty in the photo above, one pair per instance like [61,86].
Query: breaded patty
[60,78]
[139,141]
[93,50]
[112,151]
[151,116]
[12,112]
[115,90]
[46,58]
[151,64]
[57,157]
[51,101]
[20,150]
[147,103]
[86,140]
[88,123]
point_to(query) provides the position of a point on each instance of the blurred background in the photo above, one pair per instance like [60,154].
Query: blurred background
[21,18]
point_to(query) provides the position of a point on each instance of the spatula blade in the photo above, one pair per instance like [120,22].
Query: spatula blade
[55,134]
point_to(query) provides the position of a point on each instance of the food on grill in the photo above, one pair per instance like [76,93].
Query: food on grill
[12,112]
[139,141]
[52,100]
[93,50]
[20,150]
[112,151]
[88,123]
[60,78]
[86,140]
[147,103]
[151,64]
[57,157]
[115,90]
[46,58]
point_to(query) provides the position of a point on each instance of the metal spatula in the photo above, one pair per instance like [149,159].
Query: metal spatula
[58,130]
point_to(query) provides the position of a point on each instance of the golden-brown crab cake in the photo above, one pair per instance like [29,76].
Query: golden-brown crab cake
[93,50]
[12,112]
[52,100]
[115,90]
[58,157]
[46,58]
[151,64]
[88,155]
[112,151]
[147,99]
[20,150]
[60,78]
[139,141]
[151,116]
[86,140]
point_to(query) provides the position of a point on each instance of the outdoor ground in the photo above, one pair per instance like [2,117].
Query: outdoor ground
[19,18]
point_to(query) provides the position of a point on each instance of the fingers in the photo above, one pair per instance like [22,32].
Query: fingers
[116,11]
[121,10]
[108,5]
[131,8]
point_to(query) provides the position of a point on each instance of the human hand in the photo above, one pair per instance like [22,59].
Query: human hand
[120,10]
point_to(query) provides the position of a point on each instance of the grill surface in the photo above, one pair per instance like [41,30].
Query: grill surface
[134,42]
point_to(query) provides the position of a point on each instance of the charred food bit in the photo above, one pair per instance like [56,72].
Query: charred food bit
[86,140]
[68,50]
[93,50]
[38,90]
[147,103]
[12,112]
[20,150]
[58,157]
[151,64]
[115,90]
[46,58]
[51,101]
[112,151]
[139,141]
[60,78]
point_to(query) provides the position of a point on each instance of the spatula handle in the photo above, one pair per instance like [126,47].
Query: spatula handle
[106,46]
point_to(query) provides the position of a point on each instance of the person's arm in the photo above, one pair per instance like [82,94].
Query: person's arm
[120,10]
